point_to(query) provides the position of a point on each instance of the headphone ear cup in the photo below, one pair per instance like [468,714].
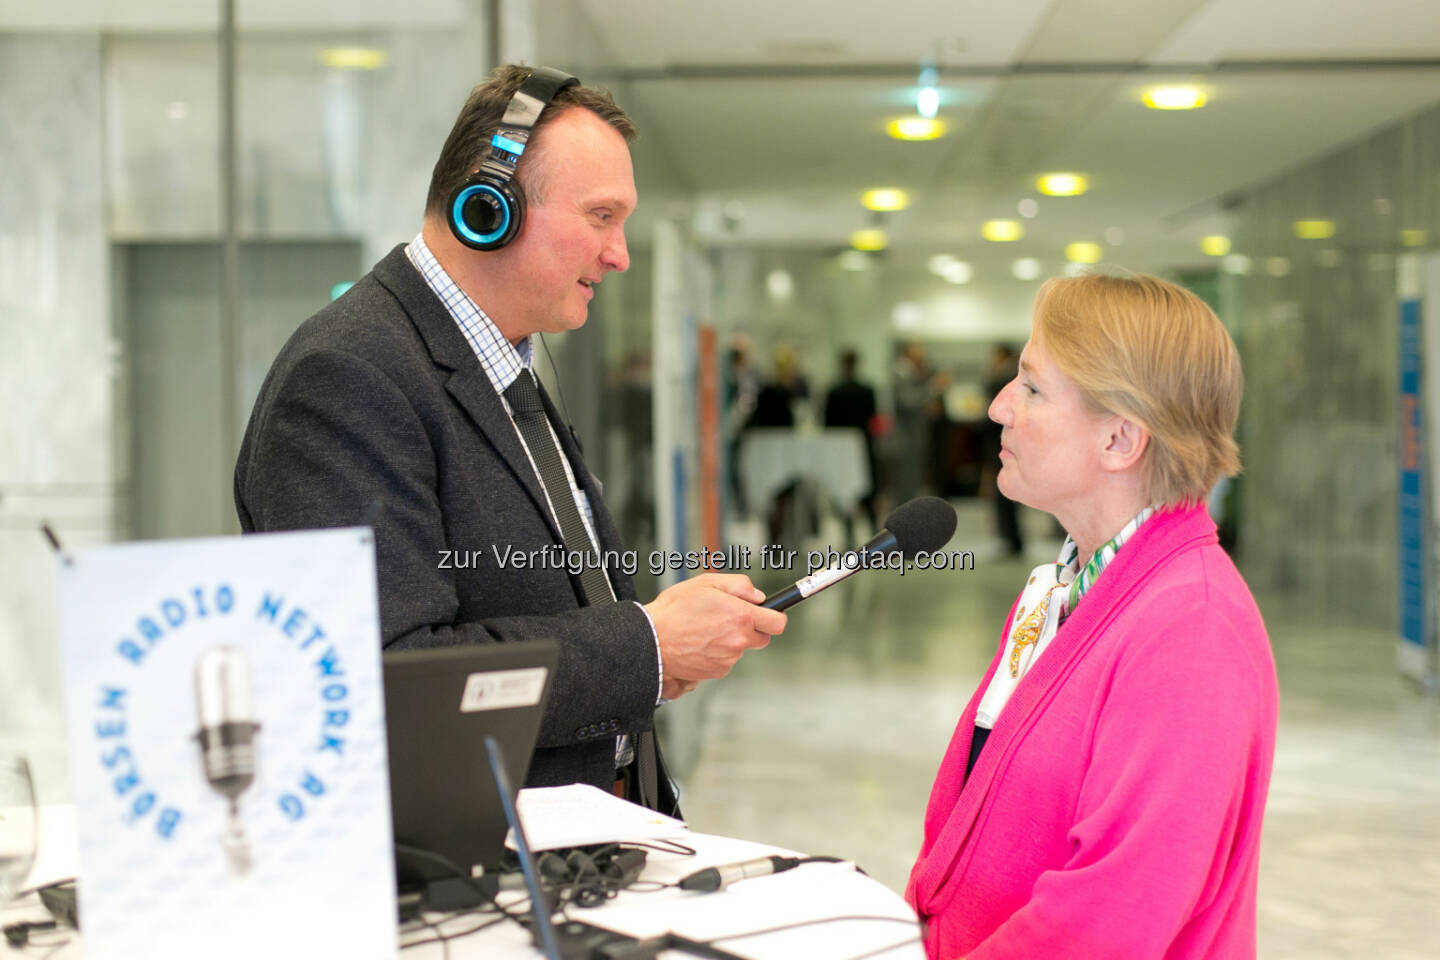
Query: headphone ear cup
[485,213]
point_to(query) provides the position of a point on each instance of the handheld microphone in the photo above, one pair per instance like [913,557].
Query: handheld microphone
[917,526]
[718,878]
[227,738]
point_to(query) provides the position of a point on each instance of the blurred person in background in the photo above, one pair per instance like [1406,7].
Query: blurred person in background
[851,403]
[1103,793]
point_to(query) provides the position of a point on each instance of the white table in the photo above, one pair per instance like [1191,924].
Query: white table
[809,892]
[833,460]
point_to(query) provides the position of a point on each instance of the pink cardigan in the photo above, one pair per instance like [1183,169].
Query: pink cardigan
[1115,810]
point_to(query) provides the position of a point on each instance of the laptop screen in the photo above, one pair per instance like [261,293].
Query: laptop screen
[440,705]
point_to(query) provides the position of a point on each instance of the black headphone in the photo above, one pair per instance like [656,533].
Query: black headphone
[486,211]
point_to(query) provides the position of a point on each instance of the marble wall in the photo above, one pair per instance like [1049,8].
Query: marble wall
[57,362]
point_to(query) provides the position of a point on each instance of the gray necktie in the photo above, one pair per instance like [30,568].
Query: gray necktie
[529,415]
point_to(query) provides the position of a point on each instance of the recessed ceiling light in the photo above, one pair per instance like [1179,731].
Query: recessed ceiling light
[1083,252]
[941,262]
[868,240]
[354,58]
[854,260]
[1027,208]
[1277,267]
[1237,264]
[1175,97]
[1114,236]
[1215,245]
[1328,258]
[177,110]
[927,102]
[915,128]
[907,315]
[1314,229]
[1413,238]
[885,198]
[780,285]
[1062,184]
[959,272]
[1002,231]
[1026,268]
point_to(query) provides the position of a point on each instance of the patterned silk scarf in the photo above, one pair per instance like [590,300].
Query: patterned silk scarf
[1042,608]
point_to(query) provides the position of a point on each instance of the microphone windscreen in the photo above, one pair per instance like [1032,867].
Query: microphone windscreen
[921,525]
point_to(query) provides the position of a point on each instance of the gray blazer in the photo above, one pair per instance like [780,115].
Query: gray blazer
[377,411]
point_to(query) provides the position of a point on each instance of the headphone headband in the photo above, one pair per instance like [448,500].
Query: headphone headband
[520,117]
[487,210]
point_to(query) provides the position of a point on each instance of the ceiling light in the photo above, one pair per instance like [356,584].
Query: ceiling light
[177,110]
[868,240]
[1328,258]
[854,260]
[780,285]
[907,315]
[1083,252]
[1413,238]
[1073,269]
[1237,265]
[927,102]
[915,128]
[354,58]
[1114,236]
[1215,245]
[1277,267]
[1314,229]
[959,272]
[941,262]
[1026,268]
[1002,231]
[1175,98]
[1062,184]
[1027,208]
[885,198]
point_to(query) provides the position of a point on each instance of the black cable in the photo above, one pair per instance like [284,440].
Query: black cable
[671,846]
[453,868]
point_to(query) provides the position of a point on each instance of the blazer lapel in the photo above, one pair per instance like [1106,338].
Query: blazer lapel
[467,382]
[944,862]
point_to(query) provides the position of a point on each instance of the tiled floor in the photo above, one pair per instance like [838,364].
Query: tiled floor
[827,742]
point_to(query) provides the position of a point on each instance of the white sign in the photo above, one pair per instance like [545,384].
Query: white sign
[502,689]
[227,747]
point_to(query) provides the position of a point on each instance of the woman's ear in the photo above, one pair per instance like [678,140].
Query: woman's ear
[1125,443]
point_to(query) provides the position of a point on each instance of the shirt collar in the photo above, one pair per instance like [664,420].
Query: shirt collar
[501,360]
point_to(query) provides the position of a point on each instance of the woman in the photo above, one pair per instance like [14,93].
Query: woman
[1103,792]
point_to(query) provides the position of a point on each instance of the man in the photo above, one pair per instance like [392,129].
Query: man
[851,403]
[397,406]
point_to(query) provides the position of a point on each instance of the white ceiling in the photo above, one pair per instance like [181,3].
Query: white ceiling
[781,107]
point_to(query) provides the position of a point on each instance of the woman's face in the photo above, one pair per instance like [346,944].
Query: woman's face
[1051,440]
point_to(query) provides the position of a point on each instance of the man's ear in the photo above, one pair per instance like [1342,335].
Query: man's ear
[1125,444]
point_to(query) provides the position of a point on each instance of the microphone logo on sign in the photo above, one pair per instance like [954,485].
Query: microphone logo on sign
[220,637]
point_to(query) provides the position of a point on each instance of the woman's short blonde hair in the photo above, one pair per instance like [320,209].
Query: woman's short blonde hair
[1148,350]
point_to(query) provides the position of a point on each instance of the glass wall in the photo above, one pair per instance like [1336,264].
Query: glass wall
[1315,315]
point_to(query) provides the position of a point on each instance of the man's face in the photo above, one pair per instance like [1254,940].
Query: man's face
[574,229]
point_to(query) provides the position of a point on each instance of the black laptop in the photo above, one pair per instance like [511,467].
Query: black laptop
[440,704]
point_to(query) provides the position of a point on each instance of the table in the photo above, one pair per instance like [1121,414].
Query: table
[817,891]
[832,459]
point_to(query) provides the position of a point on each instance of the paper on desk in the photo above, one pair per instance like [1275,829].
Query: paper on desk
[579,814]
[825,892]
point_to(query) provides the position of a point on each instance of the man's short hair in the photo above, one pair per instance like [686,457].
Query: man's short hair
[1157,354]
[469,141]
